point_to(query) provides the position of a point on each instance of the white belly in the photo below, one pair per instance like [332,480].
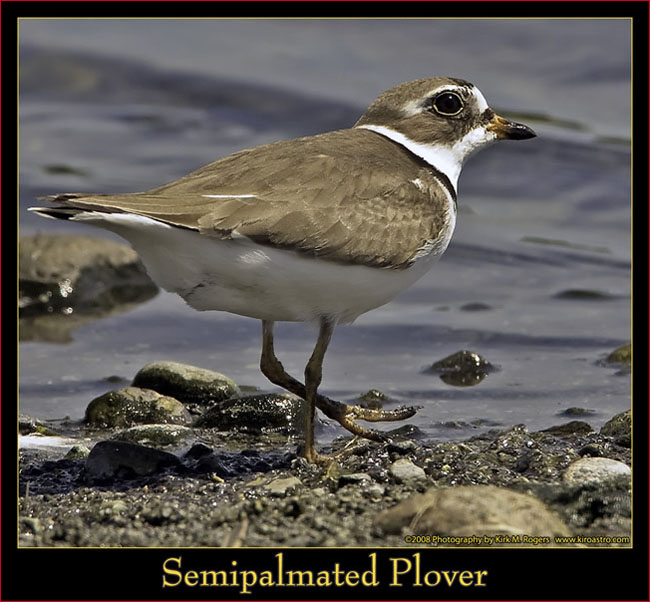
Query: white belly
[242,277]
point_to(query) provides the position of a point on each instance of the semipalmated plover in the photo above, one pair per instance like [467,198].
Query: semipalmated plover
[322,228]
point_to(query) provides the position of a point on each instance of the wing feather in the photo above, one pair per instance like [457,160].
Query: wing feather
[346,196]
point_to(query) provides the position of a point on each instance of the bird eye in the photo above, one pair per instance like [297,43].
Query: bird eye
[447,104]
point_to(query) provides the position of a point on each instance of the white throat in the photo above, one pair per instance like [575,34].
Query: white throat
[446,159]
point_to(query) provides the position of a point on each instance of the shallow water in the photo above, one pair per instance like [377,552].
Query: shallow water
[111,107]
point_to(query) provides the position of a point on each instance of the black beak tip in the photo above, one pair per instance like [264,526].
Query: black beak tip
[520,131]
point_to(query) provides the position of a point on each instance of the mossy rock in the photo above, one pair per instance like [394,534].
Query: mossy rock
[619,428]
[569,429]
[186,383]
[155,435]
[622,355]
[462,369]
[270,413]
[132,405]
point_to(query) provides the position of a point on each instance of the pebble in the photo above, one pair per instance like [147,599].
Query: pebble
[280,487]
[77,452]
[376,491]
[404,470]
[186,383]
[577,412]
[462,369]
[354,479]
[595,470]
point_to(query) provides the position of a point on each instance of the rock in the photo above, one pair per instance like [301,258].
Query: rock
[33,524]
[569,429]
[119,459]
[462,369]
[77,452]
[280,487]
[621,355]
[475,307]
[373,399]
[404,470]
[375,491]
[577,412]
[227,465]
[254,414]
[132,405]
[355,478]
[198,450]
[595,470]
[474,510]
[403,436]
[28,426]
[65,274]
[584,295]
[593,449]
[155,435]
[620,428]
[188,384]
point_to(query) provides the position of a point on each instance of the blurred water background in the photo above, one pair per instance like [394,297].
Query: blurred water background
[536,279]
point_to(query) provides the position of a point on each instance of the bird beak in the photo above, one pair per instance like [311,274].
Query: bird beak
[509,130]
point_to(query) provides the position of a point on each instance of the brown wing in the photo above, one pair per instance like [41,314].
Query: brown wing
[346,196]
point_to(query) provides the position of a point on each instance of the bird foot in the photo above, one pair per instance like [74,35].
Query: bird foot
[347,415]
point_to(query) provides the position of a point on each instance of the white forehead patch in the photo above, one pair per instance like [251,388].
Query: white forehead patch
[481,103]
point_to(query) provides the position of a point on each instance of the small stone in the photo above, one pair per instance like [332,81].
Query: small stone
[404,470]
[461,360]
[475,307]
[584,295]
[373,399]
[188,384]
[376,491]
[595,470]
[119,459]
[77,452]
[280,487]
[577,412]
[132,405]
[462,369]
[355,478]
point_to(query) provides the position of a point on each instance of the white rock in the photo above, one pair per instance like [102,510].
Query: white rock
[280,487]
[405,470]
[594,470]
